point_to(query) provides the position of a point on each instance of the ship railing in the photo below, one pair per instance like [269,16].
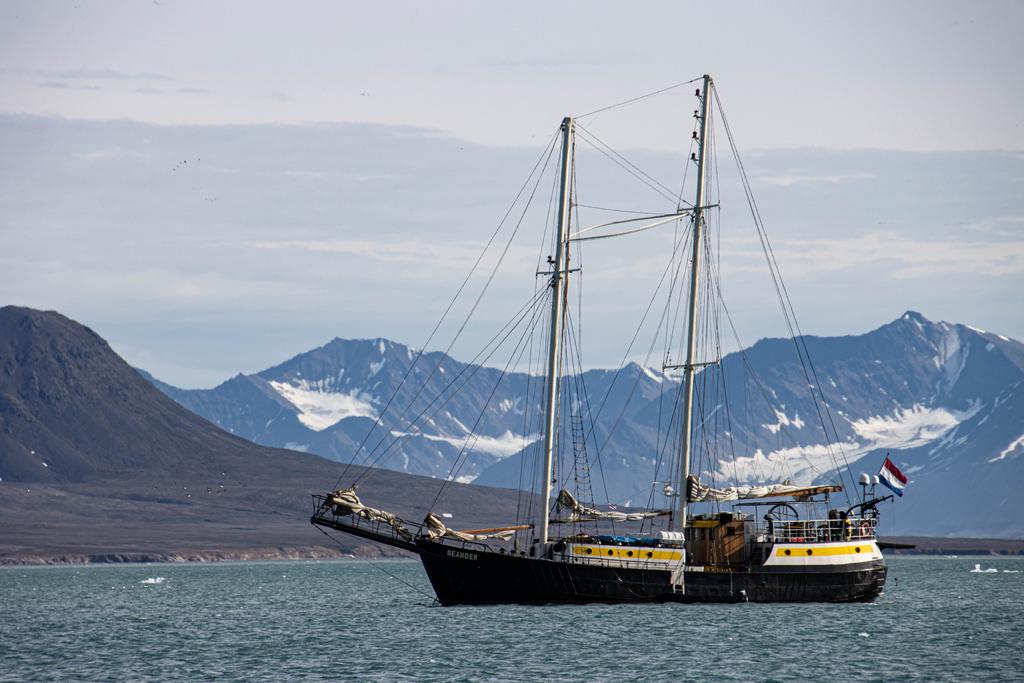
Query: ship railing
[328,515]
[820,530]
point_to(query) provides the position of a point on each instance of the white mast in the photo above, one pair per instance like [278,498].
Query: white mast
[691,346]
[559,281]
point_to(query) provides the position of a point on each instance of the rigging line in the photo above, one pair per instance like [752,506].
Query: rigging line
[377,565]
[765,245]
[451,385]
[576,334]
[803,353]
[546,153]
[486,286]
[610,152]
[608,208]
[667,216]
[716,287]
[784,299]
[575,341]
[465,367]
[581,390]
[527,404]
[490,278]
[674,260]
[536,402]
[668,219]
[636,333]
[636,176]
[752,372]
[659,447]
[639,98]
[624,163]
[647,357]
[678,260]
[396,439]
[671,443]
[472,438]
[716,281]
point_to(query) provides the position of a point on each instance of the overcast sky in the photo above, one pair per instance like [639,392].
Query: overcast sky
[884,141]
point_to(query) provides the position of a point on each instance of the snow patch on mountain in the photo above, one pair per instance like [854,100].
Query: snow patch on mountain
[1011,449]
[499,446]
[319,408]
[905,428]
[513,405]
[911,427]
[782,420]
[652,374]
[800,464]
[954,355]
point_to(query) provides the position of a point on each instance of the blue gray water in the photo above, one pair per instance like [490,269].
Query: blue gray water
[359,621]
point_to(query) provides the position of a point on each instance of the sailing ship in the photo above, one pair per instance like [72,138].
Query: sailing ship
[776,542]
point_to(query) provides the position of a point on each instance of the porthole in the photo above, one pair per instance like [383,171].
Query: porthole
[629,553]
[857,549]
[589,550]
[650,554]
[788,551]
[611,552]
[810,551]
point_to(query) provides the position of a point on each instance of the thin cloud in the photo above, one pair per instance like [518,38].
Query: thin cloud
[61,85]
[106,74]
[415,252]
[904,258]
[791,180]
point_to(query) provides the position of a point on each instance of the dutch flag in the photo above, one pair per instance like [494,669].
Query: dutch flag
[891,476]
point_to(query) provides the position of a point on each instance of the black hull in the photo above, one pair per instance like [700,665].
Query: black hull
[475,577]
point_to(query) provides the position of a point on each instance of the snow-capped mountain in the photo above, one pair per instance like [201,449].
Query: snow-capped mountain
[325,401]
[946,400]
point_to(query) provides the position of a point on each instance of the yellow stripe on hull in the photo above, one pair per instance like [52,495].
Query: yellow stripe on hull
[795,550]
[823,554]
[626,553]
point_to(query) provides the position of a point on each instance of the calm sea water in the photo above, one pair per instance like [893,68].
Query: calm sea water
[359,621]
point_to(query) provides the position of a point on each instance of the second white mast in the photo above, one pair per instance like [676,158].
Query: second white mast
[689,368]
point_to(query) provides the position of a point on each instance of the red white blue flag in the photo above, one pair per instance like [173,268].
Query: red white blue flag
[891,476]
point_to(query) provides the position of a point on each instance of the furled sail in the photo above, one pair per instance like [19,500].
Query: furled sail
[346,502]
[578,511]
[697,493]
[436,529]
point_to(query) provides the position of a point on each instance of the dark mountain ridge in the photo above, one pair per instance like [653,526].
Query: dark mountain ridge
[95,460]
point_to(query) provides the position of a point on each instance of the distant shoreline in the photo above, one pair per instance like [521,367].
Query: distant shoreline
[200,557]
[924,546]
[931,545]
